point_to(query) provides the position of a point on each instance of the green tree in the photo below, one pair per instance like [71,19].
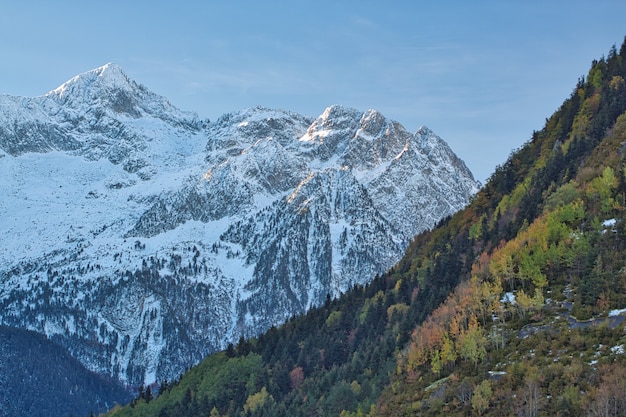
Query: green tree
[435,362]
[257,401]
[448,354]
[482,397]
[471,343]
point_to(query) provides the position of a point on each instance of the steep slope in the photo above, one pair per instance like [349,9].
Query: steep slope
[39,378]
[485,314]
[143,239]
[539,327]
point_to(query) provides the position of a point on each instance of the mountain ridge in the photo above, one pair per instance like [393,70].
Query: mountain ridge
[129,254]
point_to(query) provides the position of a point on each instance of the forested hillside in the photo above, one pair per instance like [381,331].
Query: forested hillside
[509,307]
[537,327]
[40,379]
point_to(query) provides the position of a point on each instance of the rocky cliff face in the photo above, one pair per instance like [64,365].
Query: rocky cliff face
[141,238]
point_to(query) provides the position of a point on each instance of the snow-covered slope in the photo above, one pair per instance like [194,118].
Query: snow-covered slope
[142,238]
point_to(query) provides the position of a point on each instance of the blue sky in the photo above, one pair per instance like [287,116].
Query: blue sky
[481,74]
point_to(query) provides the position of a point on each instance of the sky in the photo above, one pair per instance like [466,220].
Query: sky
[483,75]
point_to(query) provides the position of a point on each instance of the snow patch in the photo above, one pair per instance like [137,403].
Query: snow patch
[609,223]
[619,312]
[508,298]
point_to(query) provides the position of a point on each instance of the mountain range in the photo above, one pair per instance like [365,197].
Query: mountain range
[513,306]
[141,238]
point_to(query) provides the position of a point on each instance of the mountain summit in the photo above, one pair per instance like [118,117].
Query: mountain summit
[106,79]
[108,87]
[142,238]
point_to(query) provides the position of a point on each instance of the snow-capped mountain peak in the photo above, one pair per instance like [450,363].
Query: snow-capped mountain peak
[104,87]
[106,78]
[361,140]
[110,89]
[333,120]
[157,238]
